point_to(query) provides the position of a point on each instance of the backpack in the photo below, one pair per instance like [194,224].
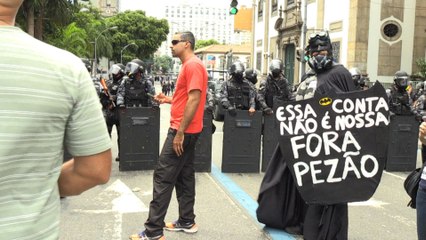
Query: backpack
[411,185]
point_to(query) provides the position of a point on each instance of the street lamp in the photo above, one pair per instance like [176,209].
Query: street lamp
[121,53]
[96,39]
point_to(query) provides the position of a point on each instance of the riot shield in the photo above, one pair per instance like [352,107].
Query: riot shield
[403,143]
[139,138]
[269,139]
[203,148]
[270,135]
[241,142]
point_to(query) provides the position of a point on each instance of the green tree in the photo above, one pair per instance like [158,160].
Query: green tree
[134,26]
[37,15]
[73,39]
[205,43]
[162,63]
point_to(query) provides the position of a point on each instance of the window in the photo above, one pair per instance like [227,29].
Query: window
[336,51]
[260,9]
[258,60]
[391,30]
[274,6]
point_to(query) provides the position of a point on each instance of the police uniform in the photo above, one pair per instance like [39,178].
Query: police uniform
[238,95]
[271,88]
[134,93]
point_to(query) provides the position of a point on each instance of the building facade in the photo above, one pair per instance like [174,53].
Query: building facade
[379,37]
[108,8]
[203,21]
[220,57]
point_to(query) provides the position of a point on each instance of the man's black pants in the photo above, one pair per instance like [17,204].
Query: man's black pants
[173,171]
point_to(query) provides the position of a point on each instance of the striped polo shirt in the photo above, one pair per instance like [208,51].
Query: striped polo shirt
[47,98]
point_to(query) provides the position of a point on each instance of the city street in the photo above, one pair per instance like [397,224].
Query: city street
[225,205]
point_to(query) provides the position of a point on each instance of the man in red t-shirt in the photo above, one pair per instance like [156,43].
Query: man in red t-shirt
[176,162]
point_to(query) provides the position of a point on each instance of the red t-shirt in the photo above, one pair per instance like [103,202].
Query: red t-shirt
[192,76]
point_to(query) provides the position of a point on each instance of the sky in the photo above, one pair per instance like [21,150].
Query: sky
[155,8]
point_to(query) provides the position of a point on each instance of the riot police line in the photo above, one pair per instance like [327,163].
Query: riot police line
[126,100]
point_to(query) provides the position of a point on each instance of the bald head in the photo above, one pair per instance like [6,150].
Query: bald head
[8,10]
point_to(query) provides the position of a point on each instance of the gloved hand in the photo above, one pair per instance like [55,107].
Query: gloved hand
[391,115]
[268,111]
[232,111]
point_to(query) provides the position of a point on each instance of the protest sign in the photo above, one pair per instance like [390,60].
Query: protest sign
[335,144]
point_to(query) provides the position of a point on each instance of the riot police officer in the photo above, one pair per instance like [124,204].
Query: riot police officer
[136,91]
[251,75]
[358,79]
[399,99]
[113,115]
[236,93]
[275,86]
[419,105]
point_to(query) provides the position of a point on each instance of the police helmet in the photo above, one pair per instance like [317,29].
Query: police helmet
[276,67]
[401,79]
[237,70]
[116,71]
[318,42]
[355,73]
[138,61]
[121,66]
[251,75]
[87,64]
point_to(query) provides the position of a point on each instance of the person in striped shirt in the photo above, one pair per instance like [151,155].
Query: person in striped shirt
[48,102]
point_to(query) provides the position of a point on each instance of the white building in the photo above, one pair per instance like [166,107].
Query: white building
[205,22]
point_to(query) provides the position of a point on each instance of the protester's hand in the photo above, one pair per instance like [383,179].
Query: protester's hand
[268,111]
[161,98]
[232,111]
[178,143]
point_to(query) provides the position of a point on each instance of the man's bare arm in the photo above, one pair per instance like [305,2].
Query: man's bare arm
[194,97]
[83,173]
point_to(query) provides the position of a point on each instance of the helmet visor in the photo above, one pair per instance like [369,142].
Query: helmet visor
[114,69]
[131,68]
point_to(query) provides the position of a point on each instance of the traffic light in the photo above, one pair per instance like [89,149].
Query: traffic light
[234,9]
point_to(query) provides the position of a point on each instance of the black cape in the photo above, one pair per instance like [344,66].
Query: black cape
[280,204]
[282,207]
